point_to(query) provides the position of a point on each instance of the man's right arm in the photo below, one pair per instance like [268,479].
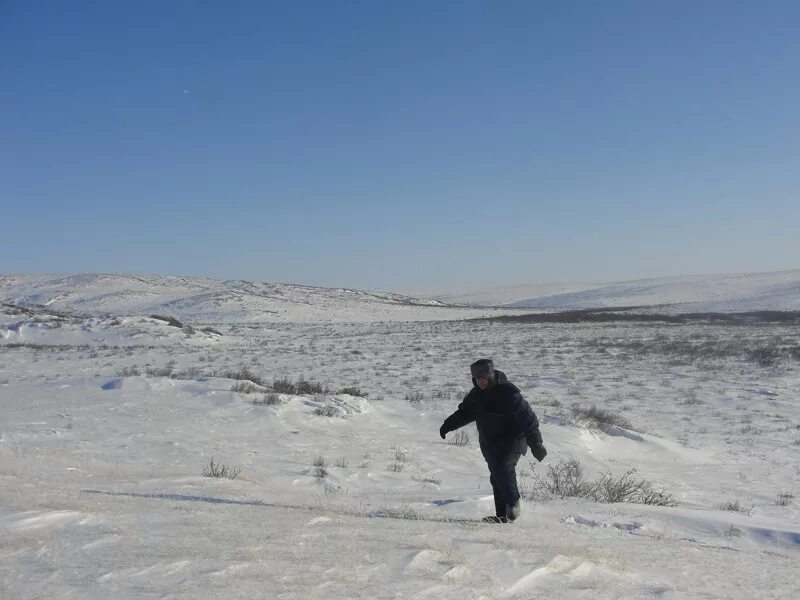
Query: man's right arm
[464,415]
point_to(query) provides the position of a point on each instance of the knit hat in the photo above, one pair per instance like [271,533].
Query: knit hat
[482,368]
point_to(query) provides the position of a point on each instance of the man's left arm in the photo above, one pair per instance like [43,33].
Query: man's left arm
[529,425]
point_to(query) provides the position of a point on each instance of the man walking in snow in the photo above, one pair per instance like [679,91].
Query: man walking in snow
[507,426]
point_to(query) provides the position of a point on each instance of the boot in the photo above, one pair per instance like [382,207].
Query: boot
[513,511]
[495,519]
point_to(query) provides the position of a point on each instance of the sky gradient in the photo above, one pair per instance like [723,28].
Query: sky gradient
[405,146]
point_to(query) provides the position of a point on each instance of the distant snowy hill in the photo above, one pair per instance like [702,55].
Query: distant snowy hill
[209,300]
[511,294]
[198,299]
[726,293]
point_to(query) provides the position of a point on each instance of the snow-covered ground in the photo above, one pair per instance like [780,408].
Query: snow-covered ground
[211,300]
[108,418]
[725,293]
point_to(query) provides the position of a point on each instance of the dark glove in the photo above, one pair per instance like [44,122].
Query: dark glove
[443,430]
[539,452]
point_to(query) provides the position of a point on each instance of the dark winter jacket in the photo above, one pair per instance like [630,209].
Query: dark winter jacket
[506,422]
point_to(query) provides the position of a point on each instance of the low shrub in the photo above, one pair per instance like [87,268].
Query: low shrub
[219,470]
[309,387]
[283,386]
[414,397]
[736,506]
[245,387]
[427,479]
[459,438]
[565,479]
[320,467]
[165,371]
[599,417]
[243,374]
[353,391]
[188,373]
[271,399]
[133,371]
[326,411]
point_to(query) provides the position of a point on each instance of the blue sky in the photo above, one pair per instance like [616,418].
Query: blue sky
[410,146]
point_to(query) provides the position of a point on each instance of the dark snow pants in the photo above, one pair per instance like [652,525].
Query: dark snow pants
[503,477]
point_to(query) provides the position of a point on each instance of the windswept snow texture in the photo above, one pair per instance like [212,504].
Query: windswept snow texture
[721,293]
[342,489]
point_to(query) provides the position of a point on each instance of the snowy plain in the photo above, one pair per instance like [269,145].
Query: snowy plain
[109,416]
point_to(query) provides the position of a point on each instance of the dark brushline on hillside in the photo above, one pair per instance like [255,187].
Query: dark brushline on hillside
[615,315]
